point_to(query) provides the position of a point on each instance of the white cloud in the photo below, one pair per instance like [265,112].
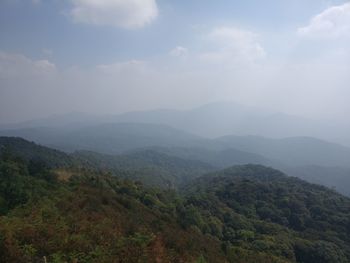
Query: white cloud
[333,22]
[131,66]
[235,45]
[179,52]
[128,14]
[17,65]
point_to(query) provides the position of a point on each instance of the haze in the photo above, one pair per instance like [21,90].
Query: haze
[108,57]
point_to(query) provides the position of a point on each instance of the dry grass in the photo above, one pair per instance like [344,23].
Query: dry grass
[64,175]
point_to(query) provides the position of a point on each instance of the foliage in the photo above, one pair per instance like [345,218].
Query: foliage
[260,209]
[150,167]
[244,214]
[94,218]
[29,151]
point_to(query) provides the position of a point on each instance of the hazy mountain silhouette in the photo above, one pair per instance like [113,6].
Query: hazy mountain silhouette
[293,150]
[116,138]
[211,120]
[110,138]
[225,118]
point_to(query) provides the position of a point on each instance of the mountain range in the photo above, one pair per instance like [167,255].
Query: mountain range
[190,135]
[91,207]
[210,121]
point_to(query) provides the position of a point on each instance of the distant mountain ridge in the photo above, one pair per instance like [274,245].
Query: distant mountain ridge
[226,118]
[117,138]
[293,150]
[108,138]
[184,134]
[211,121]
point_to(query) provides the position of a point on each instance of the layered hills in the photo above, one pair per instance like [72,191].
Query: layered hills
[80,211]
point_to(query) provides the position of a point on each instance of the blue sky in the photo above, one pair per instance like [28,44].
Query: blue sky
[110,56]
[29,28]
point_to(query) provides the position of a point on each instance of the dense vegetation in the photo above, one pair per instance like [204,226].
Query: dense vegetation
[314,160]
[29,151]
[261,209]
[148,166]
[77,216]
[250,213]
[152,168]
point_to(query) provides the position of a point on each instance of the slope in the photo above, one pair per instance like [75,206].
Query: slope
[247,213]
[261,209]
[294,151]
[29,151]
[150,167]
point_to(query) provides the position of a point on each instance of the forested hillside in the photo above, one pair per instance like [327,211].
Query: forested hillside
[262,209]
[29,151]
[247,213]
[298,156]
[83,217]
[152,168]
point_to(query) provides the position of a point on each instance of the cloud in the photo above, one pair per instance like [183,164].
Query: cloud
[127,14]
[333,22]
[17,65]
[179,52]
[121,68]
[235,45]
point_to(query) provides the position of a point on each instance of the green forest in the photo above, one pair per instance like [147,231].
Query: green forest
[56,207]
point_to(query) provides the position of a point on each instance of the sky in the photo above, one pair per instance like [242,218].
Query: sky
[113,56]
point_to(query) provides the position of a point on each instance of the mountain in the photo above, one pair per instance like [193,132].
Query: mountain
[121,134]
[170,167]
[67,121]
[262,209]
[225,118]
[218,158]
[150,167]
[117,138]
[295,151]
[314,160]
[337,178]
[210,120]
[242,214]
[29,151]
[88,217]
[109,138]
